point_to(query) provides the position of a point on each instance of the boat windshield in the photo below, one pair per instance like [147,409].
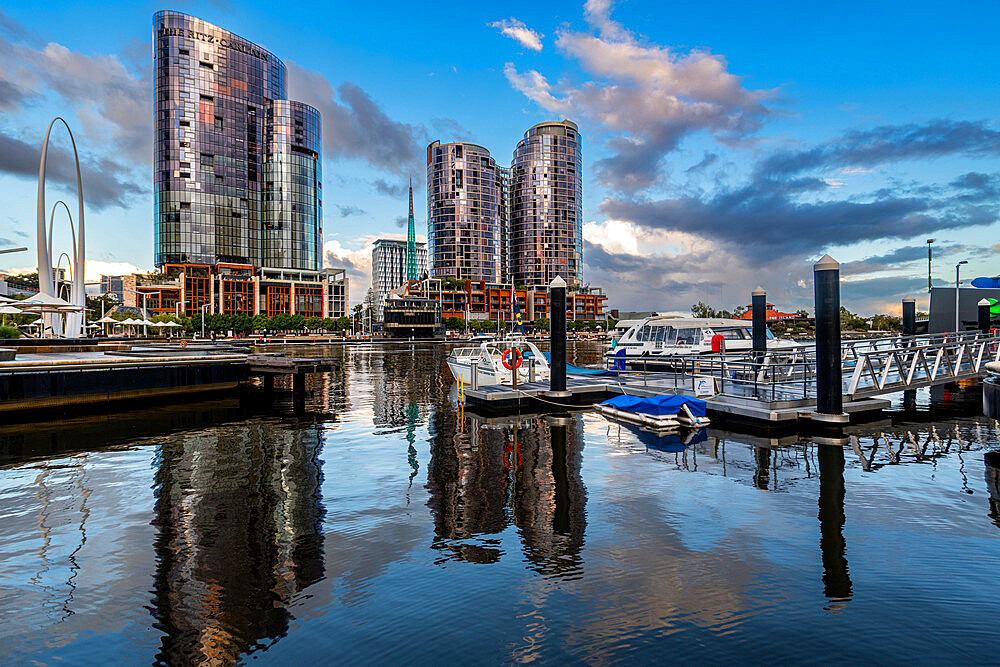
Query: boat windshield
[734,333]
[689,336]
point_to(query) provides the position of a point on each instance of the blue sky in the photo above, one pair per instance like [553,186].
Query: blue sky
[726,145]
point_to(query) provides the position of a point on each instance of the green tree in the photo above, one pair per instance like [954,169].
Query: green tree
[328,324]
[296,322]
[313,323]
[542,324]
[343,323]
[260,322]
[702,309]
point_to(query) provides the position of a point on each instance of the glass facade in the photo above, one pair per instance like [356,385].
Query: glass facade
[546,205]
[389,268]
[236,166]
[292,186]
[465,212]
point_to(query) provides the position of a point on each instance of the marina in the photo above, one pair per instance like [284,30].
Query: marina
[384,517]
[781,389]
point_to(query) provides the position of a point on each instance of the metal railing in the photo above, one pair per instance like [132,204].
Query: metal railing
[869,367]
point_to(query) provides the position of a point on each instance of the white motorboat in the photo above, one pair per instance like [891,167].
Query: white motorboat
[655,343]
[487,358]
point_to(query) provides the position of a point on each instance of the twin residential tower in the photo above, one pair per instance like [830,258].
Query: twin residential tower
[237,180]
[493,224]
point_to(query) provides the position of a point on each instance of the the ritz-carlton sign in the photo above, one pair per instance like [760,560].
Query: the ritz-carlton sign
[213,39]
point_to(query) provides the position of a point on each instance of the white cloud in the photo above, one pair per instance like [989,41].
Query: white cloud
[649,97]
[93,269]
[519,32]
[358,262]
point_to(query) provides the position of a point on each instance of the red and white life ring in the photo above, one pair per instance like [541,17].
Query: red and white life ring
[506,356]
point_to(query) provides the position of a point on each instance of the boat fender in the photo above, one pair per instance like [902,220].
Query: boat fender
[507,363]
[718,343]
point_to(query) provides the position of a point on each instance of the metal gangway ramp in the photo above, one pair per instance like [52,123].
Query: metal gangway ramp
[869,368]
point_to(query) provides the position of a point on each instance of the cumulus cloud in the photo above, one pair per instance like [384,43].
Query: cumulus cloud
[109,97]
[864,149]
[890,260]
[782,210]
[105,182]
[355,126]
[519,32]
[357,262]
[769,228]
[93,269]
[647,97]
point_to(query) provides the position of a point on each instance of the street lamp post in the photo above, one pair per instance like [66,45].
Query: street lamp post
[177,307]
[204,306]
[144,295]
[958,268]
[929,242]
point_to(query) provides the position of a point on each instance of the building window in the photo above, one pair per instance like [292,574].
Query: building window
[218,123]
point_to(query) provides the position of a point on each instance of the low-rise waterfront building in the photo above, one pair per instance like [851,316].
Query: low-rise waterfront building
[240,288]
[407,316]
[479,300]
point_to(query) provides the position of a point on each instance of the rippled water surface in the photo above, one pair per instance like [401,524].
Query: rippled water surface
[374,523]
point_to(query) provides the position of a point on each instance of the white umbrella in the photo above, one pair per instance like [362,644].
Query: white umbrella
[107,319]
[9,310]
[44,301]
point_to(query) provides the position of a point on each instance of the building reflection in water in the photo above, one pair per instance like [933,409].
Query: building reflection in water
[239,515]
[522,471]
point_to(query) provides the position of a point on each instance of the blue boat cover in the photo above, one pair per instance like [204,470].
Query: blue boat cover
[670,442]
[657,405]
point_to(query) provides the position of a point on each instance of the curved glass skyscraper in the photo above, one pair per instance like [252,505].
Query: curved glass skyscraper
[466,212]
[237,176]
[546,212]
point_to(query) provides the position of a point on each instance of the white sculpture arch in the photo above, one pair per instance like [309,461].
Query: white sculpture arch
[46,285]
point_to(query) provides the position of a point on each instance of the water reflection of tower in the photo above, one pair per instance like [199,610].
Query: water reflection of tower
[550,498]
[468,486]
[400,379]
[239,516]
[836,577]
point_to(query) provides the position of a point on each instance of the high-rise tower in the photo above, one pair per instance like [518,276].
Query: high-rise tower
[411,243]
[465,212]
[546,205]
[237,177]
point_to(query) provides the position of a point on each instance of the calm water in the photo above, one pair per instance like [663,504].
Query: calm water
[378,525]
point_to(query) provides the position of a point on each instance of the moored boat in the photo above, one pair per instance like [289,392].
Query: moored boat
[488,359]
[656,343]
